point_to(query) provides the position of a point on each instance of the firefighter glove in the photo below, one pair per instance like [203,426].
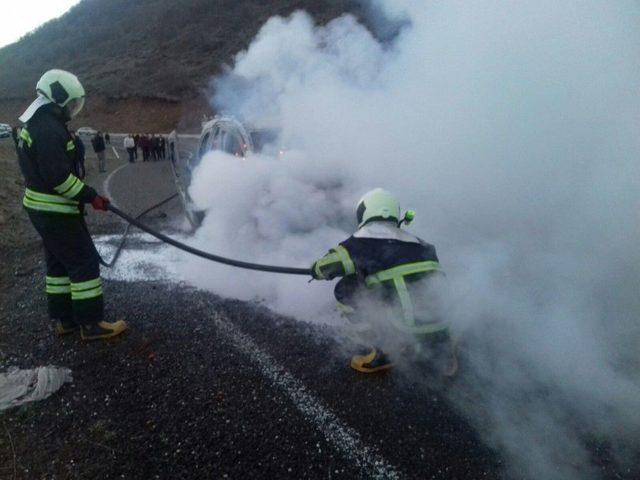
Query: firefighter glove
[100,203]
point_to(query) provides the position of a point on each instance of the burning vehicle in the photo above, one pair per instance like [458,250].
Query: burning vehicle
[222,133]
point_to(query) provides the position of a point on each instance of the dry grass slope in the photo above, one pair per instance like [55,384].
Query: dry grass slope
[162,51]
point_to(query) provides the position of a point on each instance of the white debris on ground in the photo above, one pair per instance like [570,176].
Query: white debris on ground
[144,258]
[147,259]
[23,386]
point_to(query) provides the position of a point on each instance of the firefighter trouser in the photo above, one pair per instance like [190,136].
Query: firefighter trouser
[73,284]
[346,291]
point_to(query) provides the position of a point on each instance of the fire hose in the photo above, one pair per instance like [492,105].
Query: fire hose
[123,240]
[194,251]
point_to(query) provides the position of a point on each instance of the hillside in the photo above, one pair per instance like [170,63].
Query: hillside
[145,64]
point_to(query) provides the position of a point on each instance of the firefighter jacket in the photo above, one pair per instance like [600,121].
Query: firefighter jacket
[47,156]
[389,262]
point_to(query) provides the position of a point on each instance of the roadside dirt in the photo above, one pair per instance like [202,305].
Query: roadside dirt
[19,243]
[14,225]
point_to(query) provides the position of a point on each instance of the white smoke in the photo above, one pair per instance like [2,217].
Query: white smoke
[514,130]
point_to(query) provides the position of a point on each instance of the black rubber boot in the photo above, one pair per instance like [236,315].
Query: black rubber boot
[103,330]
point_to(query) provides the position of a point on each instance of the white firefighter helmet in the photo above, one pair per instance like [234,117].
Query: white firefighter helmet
[59,87]
[377,204]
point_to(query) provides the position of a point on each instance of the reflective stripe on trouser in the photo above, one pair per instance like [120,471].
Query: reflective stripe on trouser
[86,297]
[87,289]
[58,285]
[58,288]
[69,252]
[88,310]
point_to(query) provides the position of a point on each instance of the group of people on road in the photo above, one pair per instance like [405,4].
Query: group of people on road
[153,147]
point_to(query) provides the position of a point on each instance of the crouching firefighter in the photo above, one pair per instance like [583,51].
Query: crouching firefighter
[384,266]
[54,200]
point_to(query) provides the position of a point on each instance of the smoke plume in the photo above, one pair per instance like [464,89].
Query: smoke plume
[514,131]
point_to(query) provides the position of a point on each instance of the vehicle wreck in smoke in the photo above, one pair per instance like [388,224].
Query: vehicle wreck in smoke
[223,133]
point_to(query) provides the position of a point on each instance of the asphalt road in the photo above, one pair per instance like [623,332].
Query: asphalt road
[208,387]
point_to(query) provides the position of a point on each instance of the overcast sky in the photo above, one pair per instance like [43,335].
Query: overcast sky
[26,15]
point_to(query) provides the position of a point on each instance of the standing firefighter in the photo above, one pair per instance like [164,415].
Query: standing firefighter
[54,200]
[384,271]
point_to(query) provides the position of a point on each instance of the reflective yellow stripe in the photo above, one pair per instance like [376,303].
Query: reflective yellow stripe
[58,289]
[338,255]
[86,294]
[96,282]
[73,191]
[396,275]
[50,207]
[324,262]
[24,135]
[45,197]
[345,258]
[316,269]
[401,271]
[70,145]
[58,285]
[67,184]
[70,187]
[329,259]
[86,290]
[405,301]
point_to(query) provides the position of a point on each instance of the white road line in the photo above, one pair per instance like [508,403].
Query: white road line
[107,182]
[342,437]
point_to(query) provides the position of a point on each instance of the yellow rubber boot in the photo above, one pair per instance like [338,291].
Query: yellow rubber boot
[103,330]
[374,361]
